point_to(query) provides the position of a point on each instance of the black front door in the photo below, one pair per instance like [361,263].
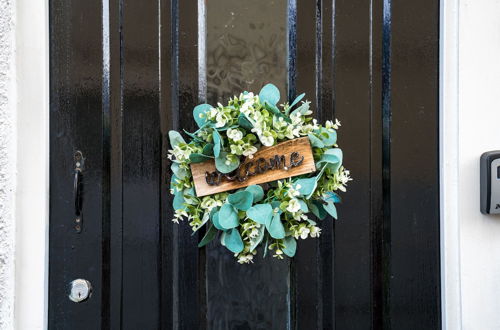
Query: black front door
[124,72]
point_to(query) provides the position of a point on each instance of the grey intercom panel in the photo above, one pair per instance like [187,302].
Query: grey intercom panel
[490,182]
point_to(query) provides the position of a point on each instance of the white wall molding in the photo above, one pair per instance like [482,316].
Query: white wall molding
[449,160]
[32,43]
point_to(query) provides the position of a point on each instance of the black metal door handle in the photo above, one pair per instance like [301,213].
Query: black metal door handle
[77,191]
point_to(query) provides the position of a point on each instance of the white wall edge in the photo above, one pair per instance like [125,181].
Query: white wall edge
[449,166]
[32,195]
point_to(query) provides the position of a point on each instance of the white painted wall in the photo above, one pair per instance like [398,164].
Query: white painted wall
[7,161]
[470,106]
[471,119]
[23,163]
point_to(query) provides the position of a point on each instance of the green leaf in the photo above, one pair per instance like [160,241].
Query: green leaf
[290,246]
[260,213]
[317,209]
[307,186]
[244,122]
[331,209]
[257,192]
[198,110]
[233,241]
[254,242]
[175,138]
[179,172]
[276,111]
[297,99]
[218,143]
[228,218]
[275,227]
[315,142]
[209,236]
[204,220]
[220,163]
[208,149]
[215,221]
[332,157]
[198,158]
[242,200]
[173,180]
[269,93]
[179,201]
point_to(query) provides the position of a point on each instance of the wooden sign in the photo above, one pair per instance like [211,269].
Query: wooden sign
[284,160]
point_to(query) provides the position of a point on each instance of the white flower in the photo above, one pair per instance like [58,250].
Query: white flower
[208,203]
[267,139]
[296,118]
[304,232]
[220,120]
[179,215]
[234,134]
[293,206]
[236,149]
[245,258]
[249,151]
[294,192]
[315,231]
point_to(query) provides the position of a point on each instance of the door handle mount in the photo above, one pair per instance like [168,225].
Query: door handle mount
[78,189]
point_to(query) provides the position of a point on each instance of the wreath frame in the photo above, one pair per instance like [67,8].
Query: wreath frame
[274,216]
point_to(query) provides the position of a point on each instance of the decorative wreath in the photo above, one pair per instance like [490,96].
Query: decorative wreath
[274,214]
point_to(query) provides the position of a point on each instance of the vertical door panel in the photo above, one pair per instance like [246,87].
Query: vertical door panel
[246,47]
[75,124]
[141,166]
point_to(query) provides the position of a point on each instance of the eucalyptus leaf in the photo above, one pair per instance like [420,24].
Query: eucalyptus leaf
[179,201]
[193,136]
[233,241]
[175,138]
[198,158]
[220,163]
[303,109]
[260,213]
[244,122]
[242,200]
[208,149]
[223,237]
[209,236]
[218,143]
[330,196]
[307,186]
[303,206]
[297,99]
[179,172]
[257,192]
[315,141]
[329,137]
[266,239]
[290,246]
[317,209]
[269,93]
[331,209]
[254,242]
[332,157]
[275,227]
[228,218]
[215,221]
[275,111]
[198,110]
